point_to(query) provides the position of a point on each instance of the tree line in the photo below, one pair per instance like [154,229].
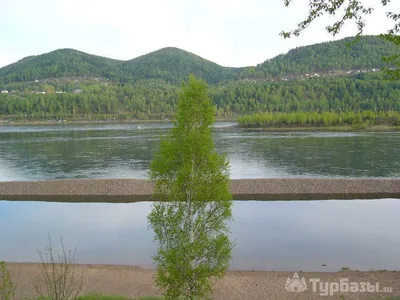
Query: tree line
[156,99]
[364,118]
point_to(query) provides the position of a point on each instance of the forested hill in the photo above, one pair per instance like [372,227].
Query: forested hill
[173,65]
[365,53]
[57,64]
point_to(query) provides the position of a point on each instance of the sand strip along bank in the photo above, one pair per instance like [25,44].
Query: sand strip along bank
[135,190]
[131,281]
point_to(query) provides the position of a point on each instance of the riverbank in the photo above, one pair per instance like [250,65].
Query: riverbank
[282,128]
[44,122]
[321,128]
[133,281]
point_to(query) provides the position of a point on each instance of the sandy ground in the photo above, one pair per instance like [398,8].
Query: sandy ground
[135,281]
[132,190]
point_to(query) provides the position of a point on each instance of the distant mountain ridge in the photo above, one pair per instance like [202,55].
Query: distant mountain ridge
[345,54]
[173,65]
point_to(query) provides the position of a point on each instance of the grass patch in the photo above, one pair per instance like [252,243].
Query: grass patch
[341,297]
[96,296]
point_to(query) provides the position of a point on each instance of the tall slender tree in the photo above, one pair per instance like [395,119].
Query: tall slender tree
[191,219]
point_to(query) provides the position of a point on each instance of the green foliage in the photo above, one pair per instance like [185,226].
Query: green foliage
[358,120]
[173,66]
[167,64]
[146,87]
[394,59]
[330,56]
[191,220]
[56,64]
[362,92]
[98,296]
[355,11]
[352,10]
[7,286]
[157,100]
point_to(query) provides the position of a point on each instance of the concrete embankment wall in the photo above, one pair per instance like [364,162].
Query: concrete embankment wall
[134,190]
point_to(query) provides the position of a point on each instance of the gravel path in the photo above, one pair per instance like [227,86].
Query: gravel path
[132,190]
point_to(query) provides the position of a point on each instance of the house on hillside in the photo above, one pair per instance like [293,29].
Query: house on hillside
[4,92]
[78,91]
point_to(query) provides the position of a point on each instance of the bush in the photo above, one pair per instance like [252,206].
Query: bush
[7,286]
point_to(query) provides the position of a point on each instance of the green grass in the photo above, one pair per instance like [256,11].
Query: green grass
[96,296]
[341,297]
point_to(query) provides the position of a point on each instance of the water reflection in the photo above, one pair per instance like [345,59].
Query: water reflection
[123,151]
[288,236]
[269,235]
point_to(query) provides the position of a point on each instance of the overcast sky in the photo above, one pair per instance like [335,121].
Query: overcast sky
[228,32]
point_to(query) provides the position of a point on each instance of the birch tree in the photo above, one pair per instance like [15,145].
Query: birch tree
[191,219]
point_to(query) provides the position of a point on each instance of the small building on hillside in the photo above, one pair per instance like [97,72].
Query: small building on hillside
[4,92]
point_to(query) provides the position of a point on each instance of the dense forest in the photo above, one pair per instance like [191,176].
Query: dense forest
[72,85]
[343,55]
[153,99]
[168,64]
[173,65]
[358,119]
[62,63]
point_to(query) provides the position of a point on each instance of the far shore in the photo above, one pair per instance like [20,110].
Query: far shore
[321,128]
[237,126]
[44,122]
[134,281]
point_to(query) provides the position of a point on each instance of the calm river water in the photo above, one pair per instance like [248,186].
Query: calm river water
[292,236]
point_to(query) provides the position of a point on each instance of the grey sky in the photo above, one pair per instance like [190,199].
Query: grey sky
[230,33]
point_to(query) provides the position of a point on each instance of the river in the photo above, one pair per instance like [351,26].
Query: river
[279,235]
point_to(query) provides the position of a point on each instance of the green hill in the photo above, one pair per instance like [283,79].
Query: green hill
[56,64]
[147,87]
[343,55]
[173,65]
[168,64]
